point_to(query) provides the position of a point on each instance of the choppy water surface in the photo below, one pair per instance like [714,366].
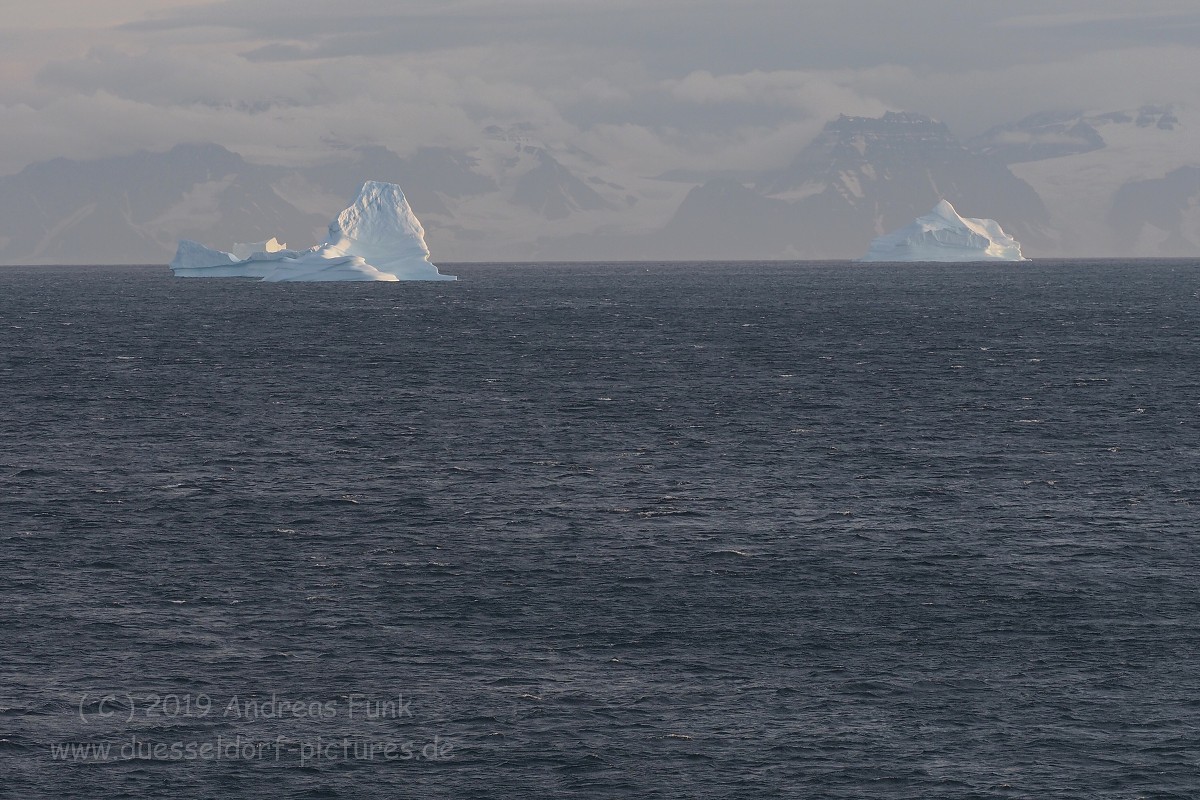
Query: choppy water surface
[634,530]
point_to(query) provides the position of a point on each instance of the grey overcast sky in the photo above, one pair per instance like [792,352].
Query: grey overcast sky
[653,84]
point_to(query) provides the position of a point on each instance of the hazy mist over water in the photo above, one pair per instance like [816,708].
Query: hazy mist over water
[597,530]
[592,130]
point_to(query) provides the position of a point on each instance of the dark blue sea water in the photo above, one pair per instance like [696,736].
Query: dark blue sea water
[604,531]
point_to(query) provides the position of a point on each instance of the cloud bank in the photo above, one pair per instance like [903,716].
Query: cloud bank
[656,87]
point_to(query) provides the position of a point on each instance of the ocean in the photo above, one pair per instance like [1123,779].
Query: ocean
[705,530]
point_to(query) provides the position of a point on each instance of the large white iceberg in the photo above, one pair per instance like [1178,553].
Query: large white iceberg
[378,238]
[942,235]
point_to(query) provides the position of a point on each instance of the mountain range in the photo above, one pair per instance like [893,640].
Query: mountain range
[1123,183]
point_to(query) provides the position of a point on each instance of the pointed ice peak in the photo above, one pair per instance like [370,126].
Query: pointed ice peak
[945,210]
[379,226]
[380,214]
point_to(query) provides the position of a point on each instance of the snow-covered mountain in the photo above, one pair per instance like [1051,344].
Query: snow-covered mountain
[1116,183]
[860,178]
[1064,184]
[1159,216]
[492,203]
[135,208]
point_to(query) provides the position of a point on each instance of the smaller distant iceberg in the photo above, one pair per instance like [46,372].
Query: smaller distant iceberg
[378,238]
[942,235]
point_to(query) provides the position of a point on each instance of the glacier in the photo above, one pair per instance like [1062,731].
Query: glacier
[377,238]
[943,235]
